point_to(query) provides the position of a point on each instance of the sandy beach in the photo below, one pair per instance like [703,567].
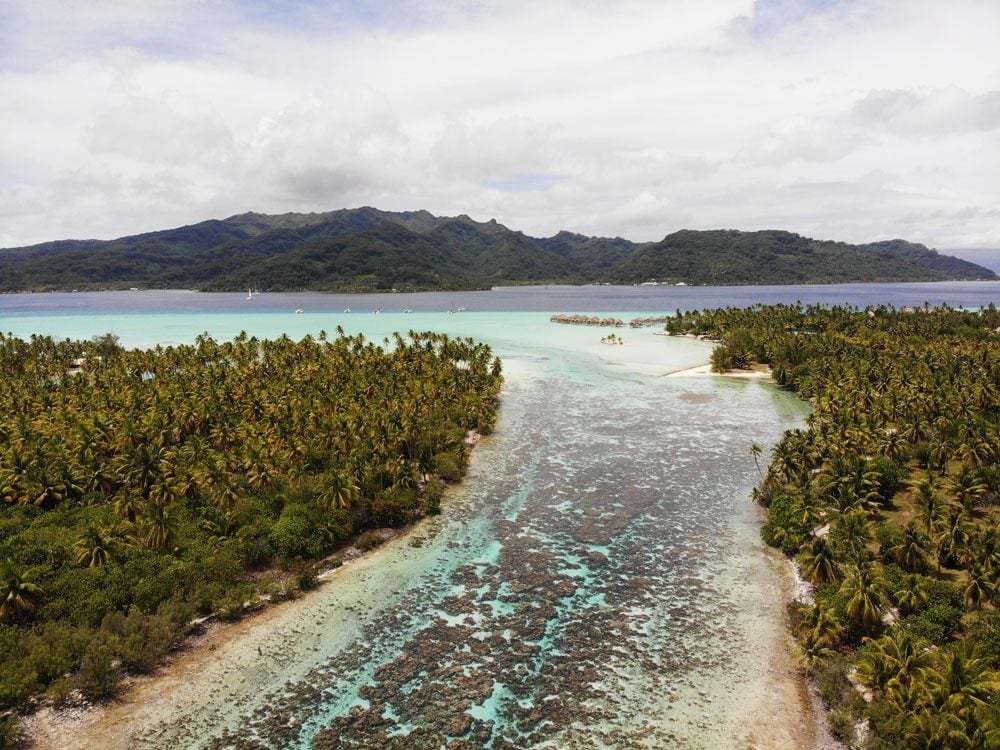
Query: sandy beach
[758,372]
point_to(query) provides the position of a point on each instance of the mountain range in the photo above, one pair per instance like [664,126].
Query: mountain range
[365,249]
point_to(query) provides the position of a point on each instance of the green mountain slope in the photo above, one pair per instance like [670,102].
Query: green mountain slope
[771,256]
[366,248]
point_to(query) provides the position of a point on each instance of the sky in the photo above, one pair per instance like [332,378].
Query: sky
[854,120]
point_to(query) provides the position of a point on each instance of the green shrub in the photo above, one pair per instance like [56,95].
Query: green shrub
[58,693]
[891,477]
[936,623]
[369,541]
[10,731]
[449,465]
[433,492]
[297,532]
[394,506]
[98,675]
[234,604]
[784,527]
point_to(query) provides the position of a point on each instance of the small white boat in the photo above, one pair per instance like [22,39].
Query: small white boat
[249,294]
[376,311]
[299,312]
[347,310]
[407,310]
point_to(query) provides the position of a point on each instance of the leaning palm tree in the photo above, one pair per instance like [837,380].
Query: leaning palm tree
[756,451]
[18,598]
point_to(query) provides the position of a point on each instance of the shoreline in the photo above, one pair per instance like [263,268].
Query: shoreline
[59,728]
[758,372]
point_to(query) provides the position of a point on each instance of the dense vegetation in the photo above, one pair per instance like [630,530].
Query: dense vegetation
[368,250]
[889,503]
[774,257]
[141,489]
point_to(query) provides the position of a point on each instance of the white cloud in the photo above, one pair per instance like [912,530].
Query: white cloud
[935,112]
[852,120]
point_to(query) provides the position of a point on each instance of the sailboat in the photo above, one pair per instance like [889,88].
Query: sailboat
[249,294]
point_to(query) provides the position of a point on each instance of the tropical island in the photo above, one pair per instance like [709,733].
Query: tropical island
[888,503]
[369,250]
[146,490]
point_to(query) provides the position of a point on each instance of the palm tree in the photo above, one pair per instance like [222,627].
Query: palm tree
[339,491]
[913,593]
[929,503]
[157,527]
[819,562]
[864,588]
[94,548]
[18,598]
[851,532]
[930,730]
[967,487]
[756,450]
[979,589]
[962,678]
[911,549]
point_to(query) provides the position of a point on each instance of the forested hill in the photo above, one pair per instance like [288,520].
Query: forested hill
[368,249]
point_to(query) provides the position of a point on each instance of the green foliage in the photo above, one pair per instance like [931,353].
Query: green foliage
[901,449]
[10,732]
[297,532]
[721,257]
[98,676]
[784,527]
[141,487]
[936,624]
[367,250]
[369,541]
[449,465]
[433,492]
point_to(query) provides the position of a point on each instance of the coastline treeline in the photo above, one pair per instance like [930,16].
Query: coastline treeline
[889,501]
[140,490]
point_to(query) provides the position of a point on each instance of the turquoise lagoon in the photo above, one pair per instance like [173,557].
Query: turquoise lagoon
[596,581]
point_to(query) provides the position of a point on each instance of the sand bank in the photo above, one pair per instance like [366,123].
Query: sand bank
[759,372]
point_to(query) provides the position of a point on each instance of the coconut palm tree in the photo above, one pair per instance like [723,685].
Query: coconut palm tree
[864,588]
[819,562]
[19,598]
[911,549]
[95,547]
[756,450]
[931,506]
[967,487]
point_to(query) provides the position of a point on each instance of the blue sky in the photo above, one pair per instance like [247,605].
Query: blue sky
[855,120]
